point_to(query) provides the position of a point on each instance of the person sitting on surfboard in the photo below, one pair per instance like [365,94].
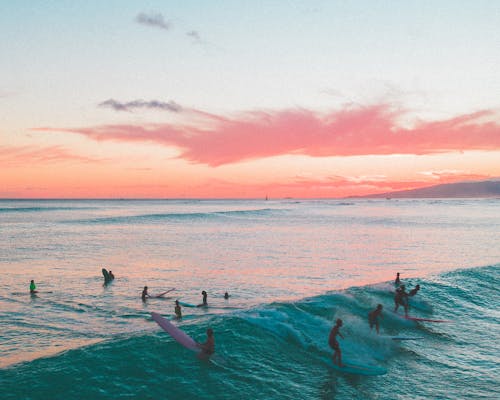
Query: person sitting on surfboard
[397,281]
[33,287]
[145,293]
[332,341]
[414,291]
[401,299]
[178,312]
[373,317]
[208,348]
[204,298]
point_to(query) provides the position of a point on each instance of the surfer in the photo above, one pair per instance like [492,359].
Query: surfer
[334,344]
[208,347]
[401,299]
[111,276]
[226,295]
[397,281]
[178,312]
[373,317]
[145,293]
[204,303]
[414,291]
[33,287]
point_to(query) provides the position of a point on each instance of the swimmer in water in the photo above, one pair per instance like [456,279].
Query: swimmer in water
[178,312]
[33,287]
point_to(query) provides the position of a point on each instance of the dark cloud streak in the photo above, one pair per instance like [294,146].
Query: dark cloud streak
[131,105]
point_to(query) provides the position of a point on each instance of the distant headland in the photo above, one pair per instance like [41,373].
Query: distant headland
[449,190]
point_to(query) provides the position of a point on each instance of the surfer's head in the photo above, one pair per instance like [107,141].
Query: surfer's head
[176,302]
[203,292]
[380,306]
[417,287]
[339,322]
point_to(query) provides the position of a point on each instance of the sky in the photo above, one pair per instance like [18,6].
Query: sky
[246,99]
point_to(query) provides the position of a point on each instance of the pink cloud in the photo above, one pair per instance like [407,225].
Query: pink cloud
[372,130]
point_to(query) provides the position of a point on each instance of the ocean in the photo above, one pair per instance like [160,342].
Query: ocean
[291,268]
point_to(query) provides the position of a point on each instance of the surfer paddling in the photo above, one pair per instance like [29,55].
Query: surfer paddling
[178,312]
[373,317]
[33,287]
[401,299]
[208,347]
[334,344]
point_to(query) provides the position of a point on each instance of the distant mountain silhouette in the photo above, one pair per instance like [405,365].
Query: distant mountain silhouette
[449,190]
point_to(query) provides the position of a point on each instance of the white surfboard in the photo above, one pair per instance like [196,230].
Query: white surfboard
[179,335]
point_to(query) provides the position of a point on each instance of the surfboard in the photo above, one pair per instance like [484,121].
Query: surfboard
[416,319]
[164,293]
[401,337]
[426,319]
[186,304]
[179,335]
[357,369]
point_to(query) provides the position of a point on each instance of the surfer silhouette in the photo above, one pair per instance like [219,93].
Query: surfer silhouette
[111,276]
[178,312]
[33,287]
[204,301]
[334,344]
[397,281]
[373,317]
[145,293]
[414,291]
[208,347]
[226,295]
[401,299]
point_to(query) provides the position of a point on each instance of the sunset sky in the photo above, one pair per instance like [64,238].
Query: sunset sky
[229,99]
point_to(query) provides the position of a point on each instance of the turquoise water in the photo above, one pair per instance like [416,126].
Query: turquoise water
[291,268]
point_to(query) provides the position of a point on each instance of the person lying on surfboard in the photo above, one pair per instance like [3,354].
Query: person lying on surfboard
[208,348]
[33,287]
[178,312]
[373,317]
[401,299]
[334,344]
[414,291]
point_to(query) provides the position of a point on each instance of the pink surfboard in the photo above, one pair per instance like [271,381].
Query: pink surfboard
[179,335]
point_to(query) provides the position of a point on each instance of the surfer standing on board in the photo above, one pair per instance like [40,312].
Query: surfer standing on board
[208,348]
[401,299]
[373,317]
[397,281]
[33,287]
[334,344]
[178,312]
